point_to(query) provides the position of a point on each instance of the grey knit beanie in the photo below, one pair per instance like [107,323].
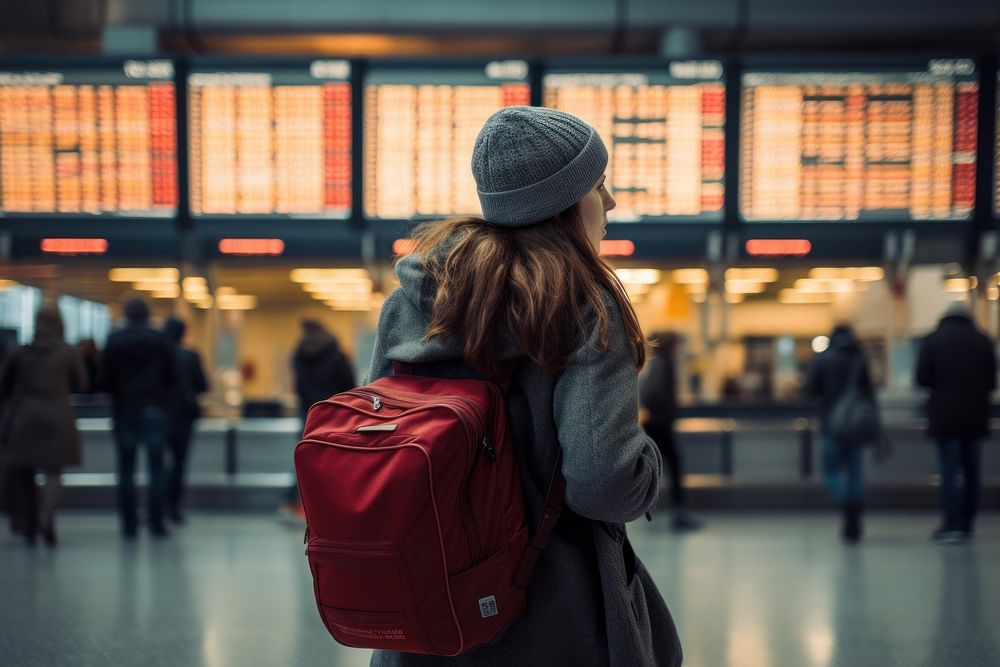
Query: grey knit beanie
[532,162]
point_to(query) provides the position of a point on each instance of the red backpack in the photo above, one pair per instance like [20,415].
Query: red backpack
[416,538]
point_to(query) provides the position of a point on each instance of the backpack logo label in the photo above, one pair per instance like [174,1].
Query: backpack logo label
[488,606]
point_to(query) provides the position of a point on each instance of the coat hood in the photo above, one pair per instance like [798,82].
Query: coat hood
[405,317]
[317,343]
[843,339]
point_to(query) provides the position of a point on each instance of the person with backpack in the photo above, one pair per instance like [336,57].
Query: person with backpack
[522,298]
[183,411]
[38,425]
[958,364]
[839,378]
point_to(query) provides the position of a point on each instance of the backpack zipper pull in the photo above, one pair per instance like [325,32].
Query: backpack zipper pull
[376,403]
[490,452]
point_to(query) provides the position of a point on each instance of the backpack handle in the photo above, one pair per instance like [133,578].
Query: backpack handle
[507,369]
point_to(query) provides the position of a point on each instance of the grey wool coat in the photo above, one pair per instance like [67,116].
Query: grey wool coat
[37,422]
[590,600]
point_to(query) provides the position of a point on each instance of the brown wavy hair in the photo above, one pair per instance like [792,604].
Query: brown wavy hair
[539,285]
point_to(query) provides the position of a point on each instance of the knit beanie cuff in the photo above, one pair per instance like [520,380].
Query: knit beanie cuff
[538,201]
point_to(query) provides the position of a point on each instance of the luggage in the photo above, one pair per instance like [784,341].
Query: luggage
[417,538]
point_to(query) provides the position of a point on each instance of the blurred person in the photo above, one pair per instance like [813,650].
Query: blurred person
[91,357]
[522,294]
[321,370]
[138,369]
[658,398]
[958,364]
[183,411]
[830,377]
[38,425]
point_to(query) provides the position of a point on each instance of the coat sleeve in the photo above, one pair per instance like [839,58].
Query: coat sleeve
[105,376]
[199,383]
[612,469]
[78,380]
[925,366]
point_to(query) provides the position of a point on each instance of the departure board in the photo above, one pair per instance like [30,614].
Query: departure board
[420,127]
[270,141]
[665,132]
[892,144]
[89,140]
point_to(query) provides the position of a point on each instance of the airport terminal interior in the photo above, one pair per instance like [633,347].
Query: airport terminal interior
[782,172]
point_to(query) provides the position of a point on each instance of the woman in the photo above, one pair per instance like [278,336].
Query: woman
[38,428]
[523,292]
[836,370]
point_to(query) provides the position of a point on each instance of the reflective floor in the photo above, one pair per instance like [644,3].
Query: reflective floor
[749,591]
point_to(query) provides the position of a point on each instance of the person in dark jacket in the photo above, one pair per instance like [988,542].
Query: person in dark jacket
[183,411]
[832,371]
[958,364]
[139,371]
[658,398]
[321,370]
[38,426]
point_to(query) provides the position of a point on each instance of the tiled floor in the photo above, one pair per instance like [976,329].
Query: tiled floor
[749,591]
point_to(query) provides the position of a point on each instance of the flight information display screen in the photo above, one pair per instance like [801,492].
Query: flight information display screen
[891,145]
[271,141]
[665,132]
[89,140]
[420,125]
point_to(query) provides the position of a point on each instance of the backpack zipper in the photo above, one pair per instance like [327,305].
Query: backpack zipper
[468,413]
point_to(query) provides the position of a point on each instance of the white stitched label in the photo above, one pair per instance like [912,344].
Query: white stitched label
[488,606]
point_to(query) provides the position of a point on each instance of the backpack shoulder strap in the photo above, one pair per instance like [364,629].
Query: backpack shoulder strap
[550,515]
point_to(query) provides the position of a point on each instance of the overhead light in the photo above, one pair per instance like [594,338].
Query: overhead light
[225,291]
[735,297]
[791,296]
[761,275]
[155,287]
[993,293]
[195,285]
[165,294]
[130,275]
[861,273]
[831,286]
[639,276]
[236,302]
[357,285]
[637,289]
[689,276]
[745,287]
[327,275]
[957,285]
